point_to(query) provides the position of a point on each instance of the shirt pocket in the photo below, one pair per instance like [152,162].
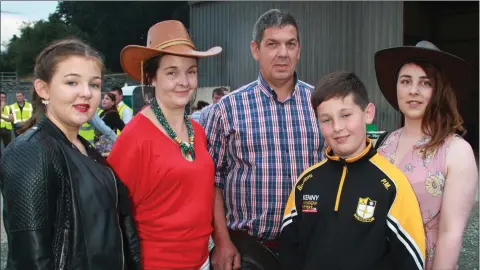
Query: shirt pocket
[252,143]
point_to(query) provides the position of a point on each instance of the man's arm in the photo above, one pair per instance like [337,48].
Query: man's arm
[225,254]
[127,115]
[11,115]
[217,147]
[97,123]
[9,118]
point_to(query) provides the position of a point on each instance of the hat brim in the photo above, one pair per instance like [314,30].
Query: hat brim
[131,56]
[461,75]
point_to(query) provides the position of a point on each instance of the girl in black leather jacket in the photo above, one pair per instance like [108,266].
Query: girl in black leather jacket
[64,208]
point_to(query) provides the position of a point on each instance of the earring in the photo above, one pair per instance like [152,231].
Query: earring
[45,102]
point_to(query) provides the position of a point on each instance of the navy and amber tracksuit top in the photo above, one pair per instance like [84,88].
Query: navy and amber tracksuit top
[352,214]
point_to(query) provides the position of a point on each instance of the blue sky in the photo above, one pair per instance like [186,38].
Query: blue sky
[14,13]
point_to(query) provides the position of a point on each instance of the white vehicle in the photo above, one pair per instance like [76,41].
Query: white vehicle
[132,96]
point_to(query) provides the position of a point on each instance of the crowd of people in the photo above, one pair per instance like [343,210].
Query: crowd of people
[279,174]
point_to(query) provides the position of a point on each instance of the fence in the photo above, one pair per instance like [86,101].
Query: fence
[8,76]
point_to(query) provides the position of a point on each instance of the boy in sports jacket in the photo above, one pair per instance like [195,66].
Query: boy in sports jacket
[354,210]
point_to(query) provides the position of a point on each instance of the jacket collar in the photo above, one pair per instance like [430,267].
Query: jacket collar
[366,154]
[46,124]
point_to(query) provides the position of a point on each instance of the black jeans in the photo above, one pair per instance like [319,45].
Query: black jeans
[5,136]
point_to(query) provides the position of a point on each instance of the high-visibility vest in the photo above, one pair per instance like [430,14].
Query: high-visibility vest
[87,131]
[6,113]
[21,115]
[122,106]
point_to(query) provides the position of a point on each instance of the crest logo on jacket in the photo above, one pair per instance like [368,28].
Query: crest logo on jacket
[365,209]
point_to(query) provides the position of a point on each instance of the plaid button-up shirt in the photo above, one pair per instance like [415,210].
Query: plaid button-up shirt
[260,145]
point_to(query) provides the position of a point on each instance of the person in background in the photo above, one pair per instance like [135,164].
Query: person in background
[110,116]
[217,94]
[125,112]
[96,125]
[162,154]
[63,206]
[99,125]
[423,83]
[261,137]
[6,119]
[200,105]
[21,111]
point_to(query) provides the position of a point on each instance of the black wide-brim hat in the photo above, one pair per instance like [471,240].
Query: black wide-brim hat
[462,76]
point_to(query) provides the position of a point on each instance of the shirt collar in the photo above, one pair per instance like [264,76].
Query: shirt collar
[269,91]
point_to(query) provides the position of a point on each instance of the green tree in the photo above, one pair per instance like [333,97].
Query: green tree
[6,62]
[111,26]
[34,37]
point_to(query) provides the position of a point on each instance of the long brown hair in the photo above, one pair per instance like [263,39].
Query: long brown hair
[45,67]
[441,117]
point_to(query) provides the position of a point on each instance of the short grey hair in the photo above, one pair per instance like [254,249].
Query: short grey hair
[273,18]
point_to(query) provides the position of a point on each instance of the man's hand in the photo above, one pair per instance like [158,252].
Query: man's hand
[225,256]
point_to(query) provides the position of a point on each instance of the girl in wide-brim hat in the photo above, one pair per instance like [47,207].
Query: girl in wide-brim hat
[424,84]
[161,154]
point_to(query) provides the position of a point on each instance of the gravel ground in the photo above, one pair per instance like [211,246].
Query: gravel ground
[468,257]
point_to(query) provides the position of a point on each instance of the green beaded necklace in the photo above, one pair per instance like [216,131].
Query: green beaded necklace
[188,149]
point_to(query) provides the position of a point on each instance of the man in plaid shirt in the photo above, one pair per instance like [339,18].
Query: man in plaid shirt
[261,137]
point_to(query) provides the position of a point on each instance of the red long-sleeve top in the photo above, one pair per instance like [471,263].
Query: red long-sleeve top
[172,197]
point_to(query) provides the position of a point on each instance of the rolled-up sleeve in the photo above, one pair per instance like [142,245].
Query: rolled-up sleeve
[217,143]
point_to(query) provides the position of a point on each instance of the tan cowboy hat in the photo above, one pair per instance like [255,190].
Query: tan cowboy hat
[461,75]
[167,37]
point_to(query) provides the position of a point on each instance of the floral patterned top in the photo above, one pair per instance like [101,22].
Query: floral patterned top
[427,177]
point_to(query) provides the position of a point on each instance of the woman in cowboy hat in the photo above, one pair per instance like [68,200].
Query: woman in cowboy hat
[424,83]
[161,154]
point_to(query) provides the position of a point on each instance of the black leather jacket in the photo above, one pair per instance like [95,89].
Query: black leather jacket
[62,209]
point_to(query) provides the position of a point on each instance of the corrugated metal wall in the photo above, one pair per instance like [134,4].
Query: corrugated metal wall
[333,35]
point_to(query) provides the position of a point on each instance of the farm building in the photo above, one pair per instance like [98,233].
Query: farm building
[335,36]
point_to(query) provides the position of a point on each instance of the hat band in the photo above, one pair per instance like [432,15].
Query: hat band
[173,42]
